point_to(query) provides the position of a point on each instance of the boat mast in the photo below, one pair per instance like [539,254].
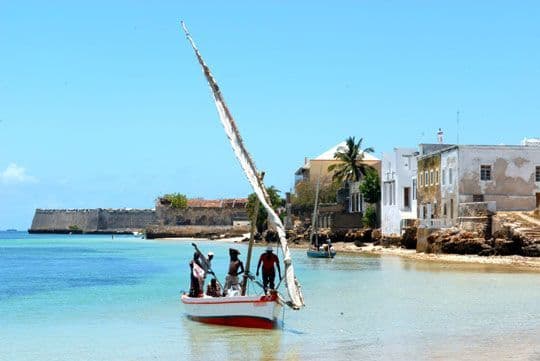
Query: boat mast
[314,231]
[237,144]
[253,227]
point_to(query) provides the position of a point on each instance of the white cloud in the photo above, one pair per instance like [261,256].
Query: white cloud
[15,174]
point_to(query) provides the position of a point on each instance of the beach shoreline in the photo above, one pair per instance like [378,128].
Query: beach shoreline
[514,262]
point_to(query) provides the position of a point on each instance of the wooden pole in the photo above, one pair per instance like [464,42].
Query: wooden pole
[253,229]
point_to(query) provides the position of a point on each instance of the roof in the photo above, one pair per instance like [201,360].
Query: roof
[329,154]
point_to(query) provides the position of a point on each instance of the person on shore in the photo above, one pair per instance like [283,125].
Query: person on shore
[197,277]
[236,267]
[213,289]
[268,260]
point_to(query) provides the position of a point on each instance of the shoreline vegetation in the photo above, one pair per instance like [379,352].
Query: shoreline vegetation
[513,262]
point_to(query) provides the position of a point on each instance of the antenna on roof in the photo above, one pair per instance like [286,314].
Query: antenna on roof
[457,122]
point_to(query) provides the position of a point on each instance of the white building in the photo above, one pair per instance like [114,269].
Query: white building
[398,185]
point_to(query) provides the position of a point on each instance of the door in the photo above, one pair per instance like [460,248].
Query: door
[406,198]
[538,200]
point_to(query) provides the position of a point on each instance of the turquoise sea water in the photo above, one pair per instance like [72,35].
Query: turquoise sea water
[98,298]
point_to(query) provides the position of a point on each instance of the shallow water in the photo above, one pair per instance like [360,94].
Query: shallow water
[98,298]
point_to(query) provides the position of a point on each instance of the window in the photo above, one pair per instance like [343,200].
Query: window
[538,174]
[431,177]
[426,178]
[443,178]
[451,208]
[485,172]
[444,209]
[414,189]
[450,176]
[437,177]
[478,198]
[406,197]
[389,189]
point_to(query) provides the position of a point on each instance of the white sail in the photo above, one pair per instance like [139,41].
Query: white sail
[293,287]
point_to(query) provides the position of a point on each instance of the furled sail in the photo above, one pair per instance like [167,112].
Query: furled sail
[293,287]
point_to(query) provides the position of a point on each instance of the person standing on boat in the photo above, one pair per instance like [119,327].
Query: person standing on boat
[236,267]
[268,260]
[197,277]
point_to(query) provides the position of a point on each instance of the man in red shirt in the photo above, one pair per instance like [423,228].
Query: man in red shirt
[268,260]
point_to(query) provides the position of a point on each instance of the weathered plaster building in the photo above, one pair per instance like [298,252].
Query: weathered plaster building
[505,177]
[398,185]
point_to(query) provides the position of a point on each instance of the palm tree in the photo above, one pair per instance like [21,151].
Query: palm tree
[350,167]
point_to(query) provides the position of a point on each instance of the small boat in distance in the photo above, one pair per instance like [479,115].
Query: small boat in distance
[11,230]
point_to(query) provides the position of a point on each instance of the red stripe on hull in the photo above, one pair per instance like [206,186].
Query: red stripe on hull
[237,321]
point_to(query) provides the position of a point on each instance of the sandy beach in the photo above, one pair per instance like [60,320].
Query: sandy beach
[517,263]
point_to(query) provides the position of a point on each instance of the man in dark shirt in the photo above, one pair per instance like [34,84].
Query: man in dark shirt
[268,260]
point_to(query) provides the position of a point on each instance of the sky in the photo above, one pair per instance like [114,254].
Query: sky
[103,104]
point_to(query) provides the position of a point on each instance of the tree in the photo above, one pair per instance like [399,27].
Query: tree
[275,199]
[177,200]
[304,197]
[371,187]
[350,167]
[370,217]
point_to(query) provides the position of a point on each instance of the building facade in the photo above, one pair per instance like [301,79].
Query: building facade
[398,185]
[317,167]
[506,177]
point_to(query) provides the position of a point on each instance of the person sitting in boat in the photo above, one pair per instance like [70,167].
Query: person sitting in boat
[213,289]
[236,267]
[197,277]
[330,247]
[268,260]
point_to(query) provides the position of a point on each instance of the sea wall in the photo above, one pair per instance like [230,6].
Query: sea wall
[91,220]
[160,231]
[165,221]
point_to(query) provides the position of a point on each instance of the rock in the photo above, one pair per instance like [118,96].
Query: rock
[505,247]
[408,240]
[391,241]
[532,250]
[376,235]
[465,246]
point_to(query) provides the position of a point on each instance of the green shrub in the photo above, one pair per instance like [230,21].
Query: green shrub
[74,227]
[178,200]
[370,217]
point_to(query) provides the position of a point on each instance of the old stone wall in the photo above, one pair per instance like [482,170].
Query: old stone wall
[122,219]
[91,220]
[345,221]
[207,216]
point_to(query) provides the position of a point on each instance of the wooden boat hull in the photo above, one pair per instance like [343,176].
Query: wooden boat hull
[238,311]
[320,254]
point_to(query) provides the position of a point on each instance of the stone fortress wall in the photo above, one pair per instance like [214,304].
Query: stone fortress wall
[91,220]
[200,218]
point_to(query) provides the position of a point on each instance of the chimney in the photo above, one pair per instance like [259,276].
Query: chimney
[440,134]
[305,160]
